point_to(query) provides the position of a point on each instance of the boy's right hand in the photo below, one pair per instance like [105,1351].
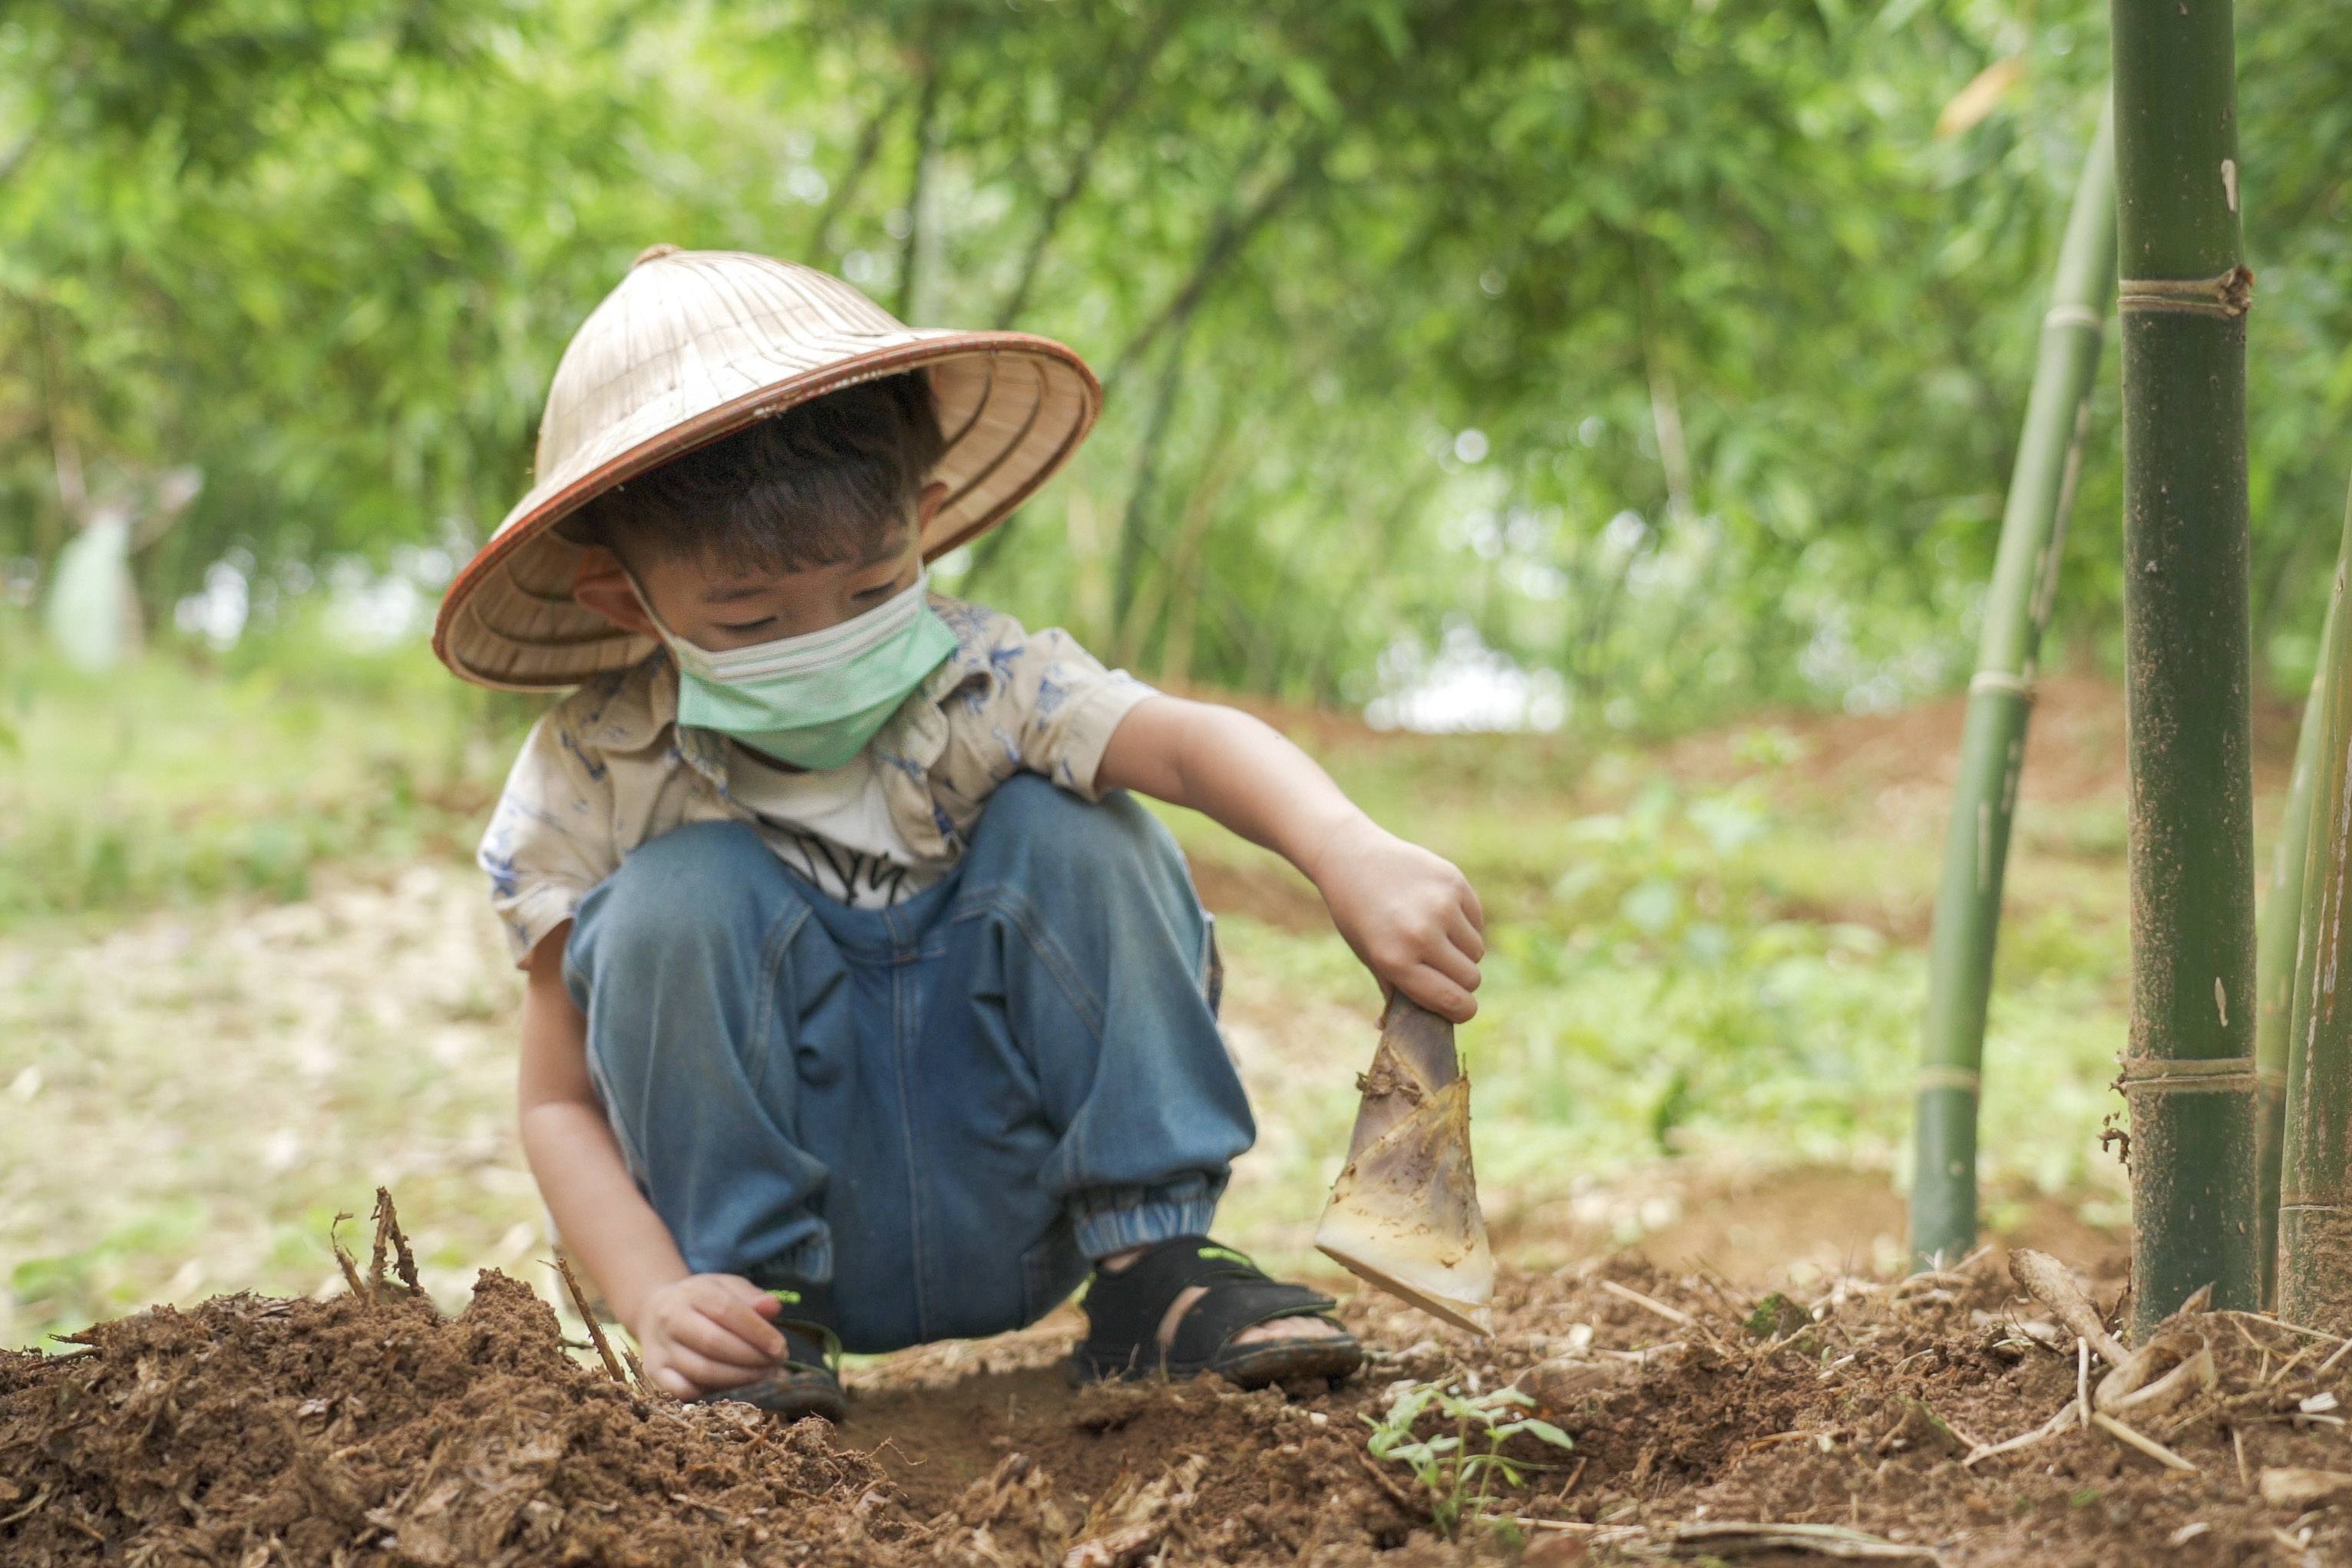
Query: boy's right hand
[708,1332]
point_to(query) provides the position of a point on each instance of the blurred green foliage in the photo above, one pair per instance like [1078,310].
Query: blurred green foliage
[1718,960]
[1680,965]
[1711,975]
[184,779]
[1664,343]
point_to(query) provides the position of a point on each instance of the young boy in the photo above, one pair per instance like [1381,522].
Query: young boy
[864,1007]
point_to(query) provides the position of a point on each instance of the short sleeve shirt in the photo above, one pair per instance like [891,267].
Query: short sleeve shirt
[831,826]
[609,767]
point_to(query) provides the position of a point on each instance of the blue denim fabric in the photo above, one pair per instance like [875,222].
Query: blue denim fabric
[945,1108]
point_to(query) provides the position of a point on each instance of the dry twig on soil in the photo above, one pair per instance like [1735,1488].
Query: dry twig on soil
[387,1229]
[588,1315]
[2129,1389]
[1394,1492]
[1731,1538]
[2050,1429]
[2286,1487]
[345,1262]
[2047,1280]
[1650,1303]
[2145,1445]
[1141,1519]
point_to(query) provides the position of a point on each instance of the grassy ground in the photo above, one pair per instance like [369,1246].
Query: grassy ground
[245,973]
[1711,952]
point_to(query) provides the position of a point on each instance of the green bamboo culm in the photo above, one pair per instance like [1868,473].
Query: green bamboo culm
[2314,1214]
[2189,1067]
[2000,702]
[2275,959]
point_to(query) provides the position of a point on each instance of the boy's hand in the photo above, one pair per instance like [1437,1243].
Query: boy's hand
[708,1332]
[1409,915]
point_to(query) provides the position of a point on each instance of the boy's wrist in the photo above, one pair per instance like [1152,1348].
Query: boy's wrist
[634,1302]
[1336,839]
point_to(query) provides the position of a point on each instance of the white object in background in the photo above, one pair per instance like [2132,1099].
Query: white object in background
[92,615]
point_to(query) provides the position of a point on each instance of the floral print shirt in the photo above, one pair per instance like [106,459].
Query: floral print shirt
[610,767]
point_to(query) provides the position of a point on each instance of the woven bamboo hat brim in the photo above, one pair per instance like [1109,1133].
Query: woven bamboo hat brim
[695,345]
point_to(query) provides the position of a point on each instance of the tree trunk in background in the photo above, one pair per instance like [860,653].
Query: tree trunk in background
[2274,957]
[922,241]
[2188,1069]
[2001,701]
[2315,1213]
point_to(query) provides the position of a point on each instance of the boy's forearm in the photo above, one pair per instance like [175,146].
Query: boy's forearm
[1236,770]
[604,1221]
[1409,914]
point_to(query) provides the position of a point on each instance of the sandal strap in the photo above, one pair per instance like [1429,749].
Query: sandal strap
[1124,1309]
[1232,1305]
[819,1350]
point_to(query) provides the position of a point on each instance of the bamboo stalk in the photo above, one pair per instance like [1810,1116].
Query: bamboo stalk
[2000,702]
[2315,1215]
[2189,1067]
[2274,953]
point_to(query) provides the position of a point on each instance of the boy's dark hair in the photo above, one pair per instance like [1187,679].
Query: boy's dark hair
[827,481]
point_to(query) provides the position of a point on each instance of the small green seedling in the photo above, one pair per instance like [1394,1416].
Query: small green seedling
[1444,1463]
[1775,1317]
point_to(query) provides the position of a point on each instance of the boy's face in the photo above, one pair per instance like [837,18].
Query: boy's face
[716,608]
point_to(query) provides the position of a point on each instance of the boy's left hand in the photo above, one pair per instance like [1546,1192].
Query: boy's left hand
[1409,915]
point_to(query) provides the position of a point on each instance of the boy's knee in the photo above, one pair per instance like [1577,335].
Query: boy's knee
[1102,866]
[1040,822]
[679,890]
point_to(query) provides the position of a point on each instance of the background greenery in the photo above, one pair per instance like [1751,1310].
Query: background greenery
[1675,346]
[247,974]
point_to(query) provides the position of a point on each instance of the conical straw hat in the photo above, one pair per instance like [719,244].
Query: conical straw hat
[695,345]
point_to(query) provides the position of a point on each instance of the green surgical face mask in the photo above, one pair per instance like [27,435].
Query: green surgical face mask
[815,700]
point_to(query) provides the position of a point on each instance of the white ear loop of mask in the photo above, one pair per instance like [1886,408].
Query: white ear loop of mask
[830,648]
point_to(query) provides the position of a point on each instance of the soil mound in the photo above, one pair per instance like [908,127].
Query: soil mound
[1877,1421]
[250,1431]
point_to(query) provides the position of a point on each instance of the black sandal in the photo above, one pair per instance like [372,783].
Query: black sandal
[809,1380]
[1124,1309]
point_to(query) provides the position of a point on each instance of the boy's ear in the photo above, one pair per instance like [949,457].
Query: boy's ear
[927,505]
[601,585]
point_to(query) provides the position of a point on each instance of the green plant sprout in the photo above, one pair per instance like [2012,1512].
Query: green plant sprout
[1444,1464]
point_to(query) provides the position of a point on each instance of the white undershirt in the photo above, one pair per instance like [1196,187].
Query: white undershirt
[833,827]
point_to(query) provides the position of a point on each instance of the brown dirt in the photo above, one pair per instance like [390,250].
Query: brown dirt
[1775,1226]
[253,1432]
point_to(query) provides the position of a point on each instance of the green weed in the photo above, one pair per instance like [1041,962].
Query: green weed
[1460,1467]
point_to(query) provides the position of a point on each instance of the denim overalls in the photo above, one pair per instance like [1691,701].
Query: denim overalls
[946,1108]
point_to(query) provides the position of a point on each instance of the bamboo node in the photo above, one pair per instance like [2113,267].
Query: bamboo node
[2000,681]
[2229,293]
[2073,316]
[2205,1075]
[1941,1075]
